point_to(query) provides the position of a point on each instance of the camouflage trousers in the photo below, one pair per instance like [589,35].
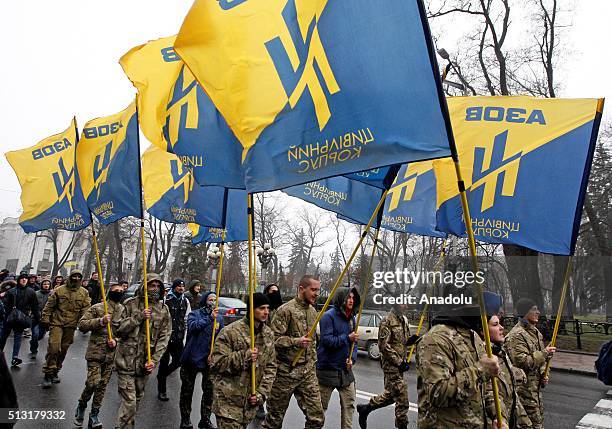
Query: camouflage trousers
[98,376]
[347,402]
[223,423]
[59,340]
[131,390]
[188,379]
[302,382]
[396,391]
[532,402]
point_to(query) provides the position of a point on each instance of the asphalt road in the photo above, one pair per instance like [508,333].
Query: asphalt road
[567,398]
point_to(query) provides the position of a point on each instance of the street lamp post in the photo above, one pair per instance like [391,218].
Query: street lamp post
[463,86]
[214,256]
[265,255]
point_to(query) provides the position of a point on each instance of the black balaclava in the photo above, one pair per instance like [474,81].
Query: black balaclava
[274,297]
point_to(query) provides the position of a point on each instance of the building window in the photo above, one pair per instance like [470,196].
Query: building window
[46,255]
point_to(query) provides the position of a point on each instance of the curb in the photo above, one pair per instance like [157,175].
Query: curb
[574,371]
[576,352]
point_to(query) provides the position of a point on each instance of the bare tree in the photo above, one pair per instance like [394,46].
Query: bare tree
[161,234]
[61,256]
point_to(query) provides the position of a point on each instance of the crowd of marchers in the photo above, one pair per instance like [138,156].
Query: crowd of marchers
[187,333]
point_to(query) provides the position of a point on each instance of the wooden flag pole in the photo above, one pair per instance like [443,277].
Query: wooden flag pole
[426,307]
[143,245]
[251,282]
[313,328]
[100,276]
[217,292]
[553,341]
[366,287]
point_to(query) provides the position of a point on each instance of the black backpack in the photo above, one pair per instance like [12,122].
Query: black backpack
[603,364]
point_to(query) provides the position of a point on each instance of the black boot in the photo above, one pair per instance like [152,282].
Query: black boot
[47,382]
[401,425]
[55,379]
[363,410]
[79,414]
[205,423]
[186,423]
[94,422]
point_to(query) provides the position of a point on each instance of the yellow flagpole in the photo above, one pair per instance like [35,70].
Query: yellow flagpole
[251,281]
[553,341]
[146,293]
[483,313]
[366,287]
[217,292]
[143,245]
[100,276]
[313,328]
[426,307]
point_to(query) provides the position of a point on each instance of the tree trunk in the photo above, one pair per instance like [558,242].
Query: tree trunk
[523,274]
[560,267]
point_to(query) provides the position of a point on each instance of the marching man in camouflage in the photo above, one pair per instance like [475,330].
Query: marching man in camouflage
[63,310]
[233,404]
[454,372]
[290,326]
[100,354]
[131,356]
[394,342]
[510,377]
[527,351]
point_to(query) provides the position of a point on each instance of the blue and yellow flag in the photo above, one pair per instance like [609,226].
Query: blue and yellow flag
[411,202]
[108,162]
[51,193]
[348,198]
[177,115]
[315,88]
[171,194]
[236,228]
[526,164]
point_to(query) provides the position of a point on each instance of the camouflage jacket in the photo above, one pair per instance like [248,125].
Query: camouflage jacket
[451,383]
[510,378]
[525,346]
[393,334]
[291,322]
[131,354]
[97,349]
[232,370]
[65,306]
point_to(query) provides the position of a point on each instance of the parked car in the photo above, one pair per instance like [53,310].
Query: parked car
[131,290]
[231,309]
[368,332]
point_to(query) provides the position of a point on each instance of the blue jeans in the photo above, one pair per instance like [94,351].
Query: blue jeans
[17,334]
[38,333]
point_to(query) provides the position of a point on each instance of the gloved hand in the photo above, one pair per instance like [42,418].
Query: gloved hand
[404,366]
[412,340]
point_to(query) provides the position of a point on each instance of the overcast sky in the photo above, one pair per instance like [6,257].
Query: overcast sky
[60,58]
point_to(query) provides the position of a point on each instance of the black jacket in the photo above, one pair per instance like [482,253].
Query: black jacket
[24,298]
[93,287]
[178,310]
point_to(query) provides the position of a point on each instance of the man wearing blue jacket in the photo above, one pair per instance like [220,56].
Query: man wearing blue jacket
[195,359]
[334,367]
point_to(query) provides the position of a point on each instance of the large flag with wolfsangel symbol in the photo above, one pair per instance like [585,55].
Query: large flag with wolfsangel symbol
[178,116]
[525,162]
[51,193]
[315,88]
[108,161]
[171,194]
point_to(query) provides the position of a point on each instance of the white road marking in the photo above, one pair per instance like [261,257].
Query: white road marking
[361,394]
